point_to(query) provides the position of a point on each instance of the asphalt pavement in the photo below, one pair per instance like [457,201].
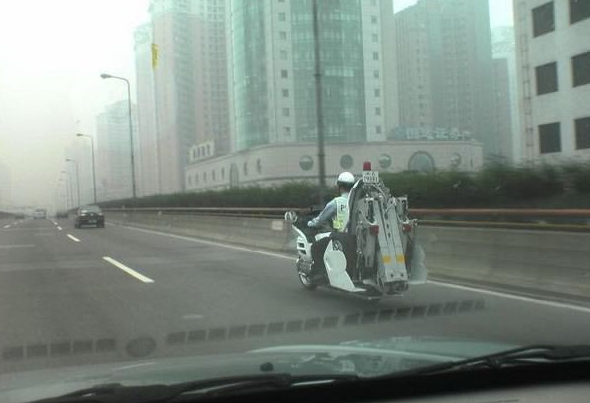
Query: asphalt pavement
[81,296]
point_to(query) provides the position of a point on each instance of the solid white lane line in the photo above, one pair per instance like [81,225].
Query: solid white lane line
[73,238]
[513,296]
[59,228]
[438,283]
[212,243]
[17,246]
[128,270]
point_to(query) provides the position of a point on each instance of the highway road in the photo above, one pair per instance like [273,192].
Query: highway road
[78,296]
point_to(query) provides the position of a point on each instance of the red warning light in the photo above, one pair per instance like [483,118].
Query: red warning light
[366,166]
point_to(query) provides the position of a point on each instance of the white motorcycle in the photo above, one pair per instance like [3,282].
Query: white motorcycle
[375,256]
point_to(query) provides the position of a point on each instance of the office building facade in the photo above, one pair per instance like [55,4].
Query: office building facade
[444,68]
[553,68]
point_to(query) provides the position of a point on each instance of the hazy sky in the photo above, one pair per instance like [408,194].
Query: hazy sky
[51,55]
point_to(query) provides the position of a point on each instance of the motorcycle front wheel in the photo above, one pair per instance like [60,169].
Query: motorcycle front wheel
[306,282]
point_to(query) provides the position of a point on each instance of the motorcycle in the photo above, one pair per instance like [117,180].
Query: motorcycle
[376,255]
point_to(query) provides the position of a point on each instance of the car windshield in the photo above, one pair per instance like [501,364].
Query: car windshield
[91,209]
[320,186]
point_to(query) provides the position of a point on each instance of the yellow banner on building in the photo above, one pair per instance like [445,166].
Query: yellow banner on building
[154,55]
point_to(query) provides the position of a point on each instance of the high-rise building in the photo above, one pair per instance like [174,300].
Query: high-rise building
[272,82]
[113,152]
[148,158]
[553,67]
[189,79]
[444,67]
[504,53]
[502,120]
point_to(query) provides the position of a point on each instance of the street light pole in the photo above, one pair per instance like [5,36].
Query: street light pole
[66,192]
[106,76]
[69,179]
[318,103]
[77,179]
[93,164]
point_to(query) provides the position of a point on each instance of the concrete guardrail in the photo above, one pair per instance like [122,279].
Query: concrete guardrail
[542,263]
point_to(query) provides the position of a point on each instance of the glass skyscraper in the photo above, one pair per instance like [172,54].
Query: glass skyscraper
[272,47]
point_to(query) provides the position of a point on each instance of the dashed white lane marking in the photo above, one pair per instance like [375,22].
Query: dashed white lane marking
[54,222]
[16,246]
[192,316]
[128,270]
[6,226]
[73,238]
[59,228]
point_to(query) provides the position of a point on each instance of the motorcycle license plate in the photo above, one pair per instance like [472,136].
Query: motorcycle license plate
[371,177]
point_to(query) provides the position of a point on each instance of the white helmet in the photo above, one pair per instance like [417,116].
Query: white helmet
[345,179]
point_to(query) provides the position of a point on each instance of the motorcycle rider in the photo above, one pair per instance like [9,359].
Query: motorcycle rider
[337,211]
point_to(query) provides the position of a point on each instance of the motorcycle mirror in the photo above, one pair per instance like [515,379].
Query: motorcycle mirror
[290,216]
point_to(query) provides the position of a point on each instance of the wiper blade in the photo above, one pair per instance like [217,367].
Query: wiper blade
[115,393]
[533,354]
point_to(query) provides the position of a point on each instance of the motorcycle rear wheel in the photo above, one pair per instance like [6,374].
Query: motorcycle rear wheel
[306,282]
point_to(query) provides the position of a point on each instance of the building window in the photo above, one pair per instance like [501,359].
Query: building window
[546,78]
[373,2]
[245,167]
[287,130]
[286,112]
[421,161]
[377,111]
[285,93]
[375,37]
[373,19]
[283,35]
[549,138]
[543,19]
[259,166]
[282,17]
[378,129]
[283,54]
[346,161]
[284,73]
[375,55]
[582,133]
[205,177]
[190,180]
[222,173]
[306,163]
[213,175]
[384,161]
[579,10]
[376,74]
[581,69]
[377,92]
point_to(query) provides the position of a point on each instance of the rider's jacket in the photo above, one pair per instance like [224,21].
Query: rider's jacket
[336,210]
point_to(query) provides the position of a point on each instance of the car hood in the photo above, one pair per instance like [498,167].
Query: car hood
[366,359]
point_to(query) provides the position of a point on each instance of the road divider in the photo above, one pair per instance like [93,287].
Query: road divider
[73,238]
[128,270]
[546,264]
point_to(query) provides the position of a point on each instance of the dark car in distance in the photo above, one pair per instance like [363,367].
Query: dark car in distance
[89,215]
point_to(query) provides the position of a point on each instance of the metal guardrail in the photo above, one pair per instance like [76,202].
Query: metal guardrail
[543,219]
[279,211]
